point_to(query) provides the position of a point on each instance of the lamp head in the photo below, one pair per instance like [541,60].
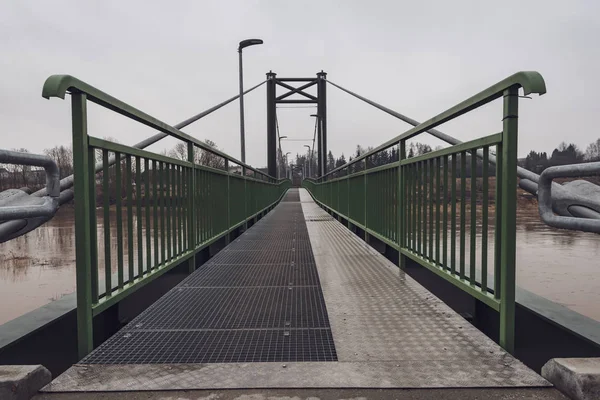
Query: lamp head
[249,42]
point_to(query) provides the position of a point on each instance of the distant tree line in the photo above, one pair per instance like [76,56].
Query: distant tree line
[33,178]
[562,155]
[535,161]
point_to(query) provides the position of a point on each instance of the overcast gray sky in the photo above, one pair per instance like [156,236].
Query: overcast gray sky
[173,59]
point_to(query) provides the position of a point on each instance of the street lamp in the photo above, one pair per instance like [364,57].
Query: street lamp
[281,137]
[243,44]
[309,158]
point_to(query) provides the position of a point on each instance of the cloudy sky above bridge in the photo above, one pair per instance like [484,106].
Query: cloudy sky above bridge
[174,59]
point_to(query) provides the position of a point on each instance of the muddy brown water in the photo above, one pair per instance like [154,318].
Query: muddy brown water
[562,266]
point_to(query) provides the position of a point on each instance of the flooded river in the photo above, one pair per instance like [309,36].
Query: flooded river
[562,266]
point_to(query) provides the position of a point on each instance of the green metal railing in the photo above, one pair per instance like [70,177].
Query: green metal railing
[156,211]
[420,205]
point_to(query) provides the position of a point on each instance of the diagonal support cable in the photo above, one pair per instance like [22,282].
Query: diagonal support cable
[522,172]
[66,192]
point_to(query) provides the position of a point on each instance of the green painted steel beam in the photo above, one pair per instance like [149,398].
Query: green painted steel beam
[83,242]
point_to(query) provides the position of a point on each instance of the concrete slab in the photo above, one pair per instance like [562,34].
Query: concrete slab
[21,382]
[579,378]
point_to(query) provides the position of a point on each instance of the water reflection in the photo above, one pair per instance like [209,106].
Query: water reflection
[560,265]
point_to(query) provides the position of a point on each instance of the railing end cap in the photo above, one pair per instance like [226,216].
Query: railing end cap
[531,82]
[57,86]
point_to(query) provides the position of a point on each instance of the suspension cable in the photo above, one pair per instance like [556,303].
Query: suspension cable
[68,181]
[522,172]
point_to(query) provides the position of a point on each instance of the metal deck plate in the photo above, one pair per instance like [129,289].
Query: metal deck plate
[236,308]
[255,301]
[389,332]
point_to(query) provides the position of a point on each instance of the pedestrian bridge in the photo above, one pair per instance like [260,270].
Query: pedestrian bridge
[297,299]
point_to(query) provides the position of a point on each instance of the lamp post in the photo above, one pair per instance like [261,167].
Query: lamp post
[309,158]
[243,44]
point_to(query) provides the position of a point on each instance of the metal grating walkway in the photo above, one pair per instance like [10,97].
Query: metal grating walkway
[258,300]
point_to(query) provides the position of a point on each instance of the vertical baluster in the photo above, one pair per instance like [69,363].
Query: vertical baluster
[191,218]
[425,204]
[463,211]
[138,200]
[184,216]
[484,219]
[430,178]
[202,205]
[128,185]
[438,190]
[414,179]
[453,216]
[155,211]
[405,170]
[445,212]
[174,209]
[179,209]
[419,177]
[364,194]
[168,207]
[93,218]
[148,223]
[198,196]
[498,222]
[106,222]
[473,231]
[161,168]
[119,207]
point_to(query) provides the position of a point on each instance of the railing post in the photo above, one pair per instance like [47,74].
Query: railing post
[245,198]
[81,166]
[401,231]
[509,217]
[348,197]
[365,194]
[227,236]
[191,209]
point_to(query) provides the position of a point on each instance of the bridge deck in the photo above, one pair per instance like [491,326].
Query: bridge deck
[297,301]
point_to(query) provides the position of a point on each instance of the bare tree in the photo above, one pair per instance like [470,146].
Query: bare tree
[592,153]
[179,152]
[18,174]
[63,156]
[201,157]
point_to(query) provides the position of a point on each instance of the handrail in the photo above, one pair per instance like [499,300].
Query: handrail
[530,81]
[59,85]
